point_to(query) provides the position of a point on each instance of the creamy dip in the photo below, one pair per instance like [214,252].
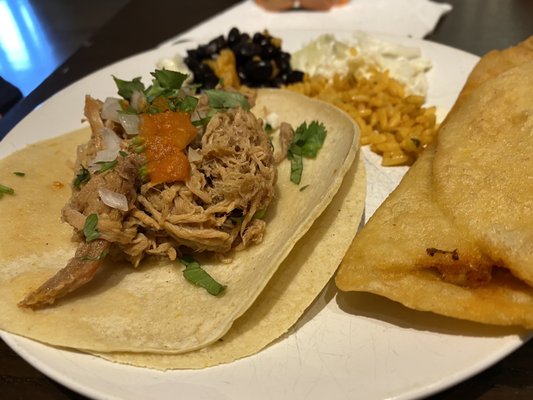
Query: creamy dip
[327,55]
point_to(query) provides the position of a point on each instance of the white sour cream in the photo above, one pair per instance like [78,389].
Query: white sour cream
[327,56]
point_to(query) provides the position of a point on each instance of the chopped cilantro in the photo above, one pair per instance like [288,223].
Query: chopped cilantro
[82,177]
[306,143]
[222,100]
[107,165]
[123,153]
[6,190]
[166,84]
[19,173]
[297,166]
[153,109]
[89,228]
[188,104]
[165,93]
[143,171]
[310,138]
[260,214]
[203,121]
[268,128]
[194,273]
[126,88]
[137,140]
[168,79]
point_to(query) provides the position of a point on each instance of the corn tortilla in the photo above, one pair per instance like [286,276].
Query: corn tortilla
[152,308]
[298,281]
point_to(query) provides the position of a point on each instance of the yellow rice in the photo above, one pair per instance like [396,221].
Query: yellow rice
[394,124]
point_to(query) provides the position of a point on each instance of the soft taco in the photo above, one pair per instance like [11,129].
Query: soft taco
[153,309]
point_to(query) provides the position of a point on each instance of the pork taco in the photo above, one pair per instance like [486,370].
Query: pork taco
[168,264]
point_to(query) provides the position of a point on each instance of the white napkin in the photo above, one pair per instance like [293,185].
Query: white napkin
[413,18]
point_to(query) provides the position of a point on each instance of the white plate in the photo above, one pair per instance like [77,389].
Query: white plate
[345,346]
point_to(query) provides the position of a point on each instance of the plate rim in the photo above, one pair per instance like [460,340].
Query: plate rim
[512,342]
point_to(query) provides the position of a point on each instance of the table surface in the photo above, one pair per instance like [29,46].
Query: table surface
[475,26]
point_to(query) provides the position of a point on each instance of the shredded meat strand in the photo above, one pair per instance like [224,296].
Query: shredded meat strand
[79,270]
[231,180]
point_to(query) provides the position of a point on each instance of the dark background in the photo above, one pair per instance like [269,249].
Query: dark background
[78,37]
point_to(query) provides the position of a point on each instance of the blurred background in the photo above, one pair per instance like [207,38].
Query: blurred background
[36,36]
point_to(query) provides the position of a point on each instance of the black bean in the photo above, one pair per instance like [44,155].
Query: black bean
[258,59]
[192,63]
[283,65]
[278,81]
[283,55]
[246,50]
[294,76]
[210,82]
[258,70]
[241,72]
[215,45]
[205,76]
[233,37]
[261,39]
[269,51]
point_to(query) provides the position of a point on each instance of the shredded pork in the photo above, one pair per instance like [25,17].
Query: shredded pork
[232,180]
[218,209]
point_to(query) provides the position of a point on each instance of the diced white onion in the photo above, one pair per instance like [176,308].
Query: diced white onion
[193,155]
[110,109]
[273,120]
[138,101]
[130,123]
[111,147]
[113,199]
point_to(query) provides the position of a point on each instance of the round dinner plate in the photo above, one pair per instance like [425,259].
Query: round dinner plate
[347,345]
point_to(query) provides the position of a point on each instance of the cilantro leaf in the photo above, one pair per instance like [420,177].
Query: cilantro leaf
[260,214]
[195,274]
[310,138]
[6,190]
[188,104]
[168,79]
[222,100]
[83,176]
[19,173]
[307,141]
[89,228]
[126,88]
[107,165]
[166,83]
[154,91]
[297,167]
